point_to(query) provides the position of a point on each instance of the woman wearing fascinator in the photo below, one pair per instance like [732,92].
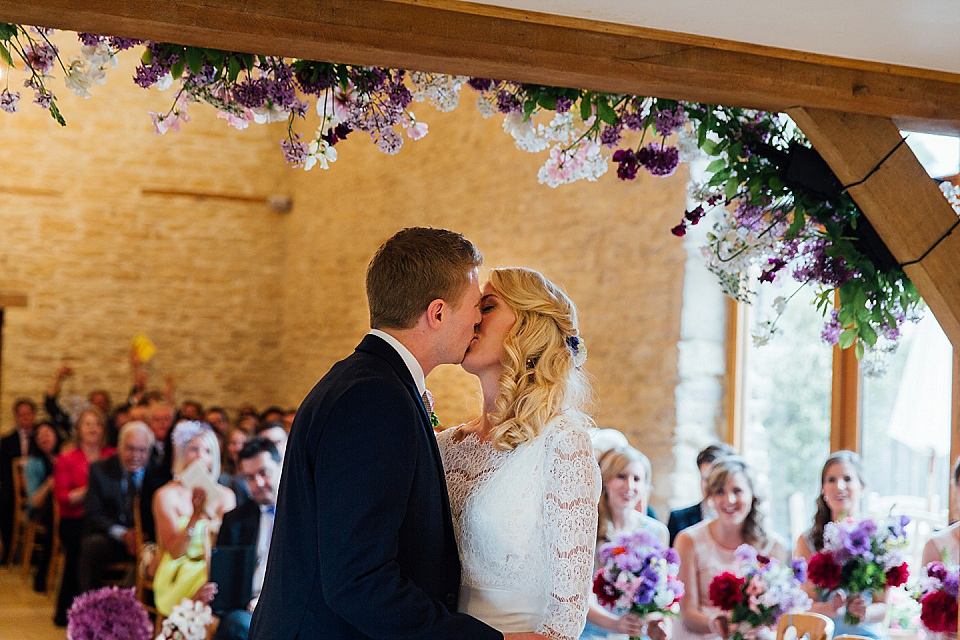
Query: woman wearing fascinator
[522,478]
[187,517]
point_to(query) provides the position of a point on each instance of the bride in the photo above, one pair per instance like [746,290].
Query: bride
[522,479]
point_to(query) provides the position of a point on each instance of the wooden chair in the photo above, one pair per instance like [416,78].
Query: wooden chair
[144,583]
[20,502]
[816,626]
[57,557]
[31,528]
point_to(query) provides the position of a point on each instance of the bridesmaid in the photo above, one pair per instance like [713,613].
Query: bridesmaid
[707,548]
[841,488]
[945,545]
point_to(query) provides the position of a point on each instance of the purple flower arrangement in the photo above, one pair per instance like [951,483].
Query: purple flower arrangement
[860,557]
[638,575]
[759,591]
[937,594]
[109,613]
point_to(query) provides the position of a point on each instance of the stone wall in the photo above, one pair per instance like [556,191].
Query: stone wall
[249,305]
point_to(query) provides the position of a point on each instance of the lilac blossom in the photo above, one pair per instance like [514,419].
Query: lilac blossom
[109,612]
[508,102]
[294,151]
[610,135]
[8,100]
[669,120]
[832,329]
[480,84]
[563,104]
[659,159]
[40,57]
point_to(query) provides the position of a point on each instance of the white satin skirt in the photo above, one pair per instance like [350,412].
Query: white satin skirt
[505,611]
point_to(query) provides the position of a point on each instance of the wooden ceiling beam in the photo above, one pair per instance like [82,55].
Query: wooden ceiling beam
[902,203]
[459,37]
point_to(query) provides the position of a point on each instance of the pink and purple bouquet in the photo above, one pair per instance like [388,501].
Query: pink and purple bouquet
[638,575]
[109,613]
[759,591]
[937,593]
[860,557]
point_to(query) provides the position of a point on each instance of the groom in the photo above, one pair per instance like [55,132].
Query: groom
[363,545]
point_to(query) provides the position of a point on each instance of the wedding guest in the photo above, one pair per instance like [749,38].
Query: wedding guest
[275,433]
[99,399]
[70,483]
[191,410]
[115,484]
[39,476]
[187,519]
[230,467]
[841,488]
[288,417]
[217,418]
[627,477]
[680,519]
[707,548]
[159,417]
[13,446]
[251,525]
[271,414]
[945,545]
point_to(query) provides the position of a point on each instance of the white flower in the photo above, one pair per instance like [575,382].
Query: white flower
[763,333]
[273,113]
[485,106]
[687,144]
[164,82]
[779,305]
[319,152]
[524,133]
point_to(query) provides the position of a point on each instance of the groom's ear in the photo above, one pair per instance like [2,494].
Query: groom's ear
[435,313]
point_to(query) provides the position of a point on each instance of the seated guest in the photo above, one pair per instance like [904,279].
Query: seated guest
[230,468]
[114,485]
[945,544]
[288,417]
[217,418]
[70,477]
[159,417]
[39,477]
[12,446]
[707,548]
[627,480]
[251,524]
[275,433]
[271,414]
[680,519]
[186,519]
[841,489]
[191,410]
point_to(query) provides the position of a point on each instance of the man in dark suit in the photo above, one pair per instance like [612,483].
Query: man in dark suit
[160,418]
[363,545]
[13,446]
[680,519]
[114,484]
[251,525]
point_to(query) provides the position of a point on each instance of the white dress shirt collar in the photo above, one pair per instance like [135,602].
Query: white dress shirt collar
[412,364]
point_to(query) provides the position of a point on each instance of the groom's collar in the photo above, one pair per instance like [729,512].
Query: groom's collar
[416,371]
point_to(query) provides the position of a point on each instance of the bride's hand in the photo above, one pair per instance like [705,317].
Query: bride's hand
[630,624]
[721,626]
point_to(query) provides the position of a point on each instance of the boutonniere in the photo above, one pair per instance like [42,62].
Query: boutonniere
[428,401]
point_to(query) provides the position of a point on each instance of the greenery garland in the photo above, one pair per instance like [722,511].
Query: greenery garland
[767,223]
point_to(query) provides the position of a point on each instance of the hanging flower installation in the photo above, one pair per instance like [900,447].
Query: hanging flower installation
[777,207]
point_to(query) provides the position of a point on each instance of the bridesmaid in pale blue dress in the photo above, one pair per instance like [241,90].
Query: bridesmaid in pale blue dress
[841,488]
[627,480]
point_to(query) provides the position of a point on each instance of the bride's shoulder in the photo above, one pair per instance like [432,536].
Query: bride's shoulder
[568,432]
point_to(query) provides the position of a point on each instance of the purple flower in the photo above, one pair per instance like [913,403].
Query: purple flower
[832,329]
[750,216]
[671,556]
[645,592]
[627,165]
[43,98]
[950,583]
[145,76]
[858,543]
[745,553]
[633,121]
[90,39]
[658,159]
[610,136]
[294,151]
[122,44]
[480,84]
[508,102]
[40,57]
[669,120]
[818,266]
[563,104]
[251,94]
[8,101]
[773,266]
[315,78]
[799,566]
[109,612]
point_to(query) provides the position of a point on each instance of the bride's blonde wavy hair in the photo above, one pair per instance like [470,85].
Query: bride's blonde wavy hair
[540,380]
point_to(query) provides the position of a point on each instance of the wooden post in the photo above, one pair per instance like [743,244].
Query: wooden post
[901,201]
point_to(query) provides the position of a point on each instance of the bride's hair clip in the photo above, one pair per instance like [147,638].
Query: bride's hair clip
[577,350]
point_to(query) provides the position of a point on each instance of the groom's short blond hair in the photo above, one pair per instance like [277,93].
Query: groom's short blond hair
[412,269]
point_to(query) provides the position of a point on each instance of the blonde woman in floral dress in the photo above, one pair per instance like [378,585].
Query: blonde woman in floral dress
[522,479]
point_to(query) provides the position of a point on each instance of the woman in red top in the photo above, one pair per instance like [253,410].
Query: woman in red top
[70,491]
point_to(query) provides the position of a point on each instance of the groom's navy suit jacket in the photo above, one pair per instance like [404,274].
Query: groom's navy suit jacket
[363,544]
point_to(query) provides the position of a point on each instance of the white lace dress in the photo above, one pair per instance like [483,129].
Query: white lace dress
[526,526]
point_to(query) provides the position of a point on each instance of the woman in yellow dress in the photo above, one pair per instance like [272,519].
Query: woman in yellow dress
[188,519]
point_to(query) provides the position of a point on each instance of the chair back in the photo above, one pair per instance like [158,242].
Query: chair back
[818,627]
[20,497]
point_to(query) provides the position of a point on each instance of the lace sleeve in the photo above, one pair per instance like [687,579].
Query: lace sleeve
[570,526]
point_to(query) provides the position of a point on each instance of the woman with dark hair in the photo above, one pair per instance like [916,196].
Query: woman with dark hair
[229,468]
[707,548]
[841,488]
[945,544]
[44,450]
[70,475]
